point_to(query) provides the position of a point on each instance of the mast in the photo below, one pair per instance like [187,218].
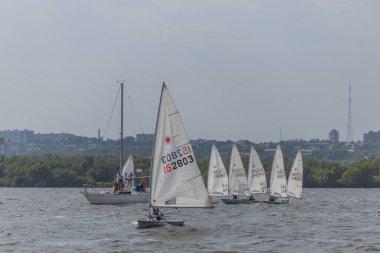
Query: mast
[121,123]
[154,145]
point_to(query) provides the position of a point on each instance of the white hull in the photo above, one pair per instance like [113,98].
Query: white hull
[155,223]
[217,199]
[109,198]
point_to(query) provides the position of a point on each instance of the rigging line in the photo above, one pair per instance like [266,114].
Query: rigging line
[134,111]
[106,130]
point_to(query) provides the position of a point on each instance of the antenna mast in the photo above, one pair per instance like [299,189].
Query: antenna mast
[349,125]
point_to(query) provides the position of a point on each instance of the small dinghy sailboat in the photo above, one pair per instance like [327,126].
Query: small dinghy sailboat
[257,183]
[238,188]
[217,180]
[176,180]
[278,192]
[296,178]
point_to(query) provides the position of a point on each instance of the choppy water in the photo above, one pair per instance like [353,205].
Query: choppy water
[61,220]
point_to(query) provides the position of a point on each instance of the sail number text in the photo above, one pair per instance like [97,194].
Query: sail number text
[177,159]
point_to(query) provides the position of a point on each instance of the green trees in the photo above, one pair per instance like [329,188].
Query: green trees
[75,170]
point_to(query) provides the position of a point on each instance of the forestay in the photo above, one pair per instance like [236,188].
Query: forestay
[257,182]
[296,177]
[217,183]
[237,178]
[278,186]
[176,178]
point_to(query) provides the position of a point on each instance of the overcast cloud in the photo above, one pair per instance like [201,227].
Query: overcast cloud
[235,69]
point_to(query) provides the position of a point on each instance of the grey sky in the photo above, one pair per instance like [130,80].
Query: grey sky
[235,69]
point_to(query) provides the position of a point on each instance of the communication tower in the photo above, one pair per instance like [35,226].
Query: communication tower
[349,124]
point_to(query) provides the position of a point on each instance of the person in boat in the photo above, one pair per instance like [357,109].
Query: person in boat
[251,197]
[272,198]
[142,184]
[118,184]
[119,177]
[156,213]
[130,178]
[234,196]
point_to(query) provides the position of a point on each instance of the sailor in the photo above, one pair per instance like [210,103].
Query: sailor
[272,198]
[234,196]
[251,197]
[130,178]
[119,177]
[155,212]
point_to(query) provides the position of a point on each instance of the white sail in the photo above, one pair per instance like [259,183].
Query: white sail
[278,186]
[217,183]
[176,180]
[237,178]
[128,166]
[257,182]
[296,178]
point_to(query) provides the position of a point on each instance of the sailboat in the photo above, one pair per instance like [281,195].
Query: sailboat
[217,180]
[123,196]
[257,183]
[278,186]
[176,180]
[296,178]
[238,184]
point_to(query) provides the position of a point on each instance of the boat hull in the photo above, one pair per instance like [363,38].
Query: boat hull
[155,223]
[109,198]
[238,201]
[277,201]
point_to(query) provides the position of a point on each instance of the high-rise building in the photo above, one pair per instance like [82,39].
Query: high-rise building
[334,136]
[371,138]
[2,146]
[17,136]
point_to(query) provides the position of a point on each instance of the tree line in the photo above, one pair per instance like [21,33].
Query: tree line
[69,170]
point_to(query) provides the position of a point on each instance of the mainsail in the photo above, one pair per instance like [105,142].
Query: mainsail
[296,177]
[217,183]
[257,182]
[237,177]
[278,186]
[176,180]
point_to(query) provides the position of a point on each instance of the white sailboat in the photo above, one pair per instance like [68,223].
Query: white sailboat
[238,184]
[125,196]
[278,186]
[257,183]
[176,180]
[217,180]
[296,178]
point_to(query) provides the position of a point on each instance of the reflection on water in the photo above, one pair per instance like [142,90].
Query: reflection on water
[61,220]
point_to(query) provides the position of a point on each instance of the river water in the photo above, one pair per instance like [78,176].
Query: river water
[61,220]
